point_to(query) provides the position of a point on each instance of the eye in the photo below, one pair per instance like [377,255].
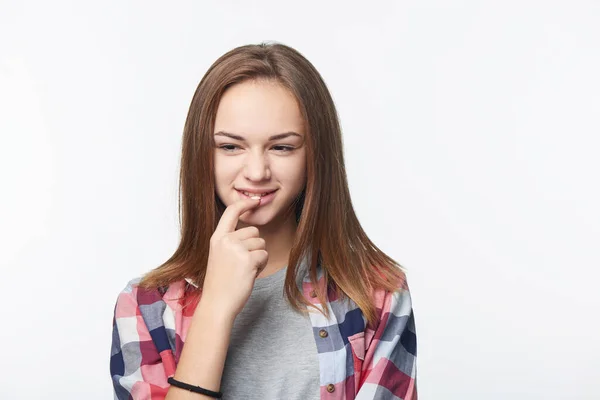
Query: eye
[279,148]
[229,147]
[284,149]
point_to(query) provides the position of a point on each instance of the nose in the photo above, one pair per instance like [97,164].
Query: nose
[257,167]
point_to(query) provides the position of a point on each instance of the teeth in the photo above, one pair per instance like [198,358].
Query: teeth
[254,195]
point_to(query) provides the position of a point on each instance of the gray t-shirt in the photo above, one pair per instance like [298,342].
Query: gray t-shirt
[272,354]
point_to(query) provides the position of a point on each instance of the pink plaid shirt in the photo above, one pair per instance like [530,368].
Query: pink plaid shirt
[356,361]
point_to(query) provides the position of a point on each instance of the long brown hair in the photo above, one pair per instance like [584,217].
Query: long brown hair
[352,265]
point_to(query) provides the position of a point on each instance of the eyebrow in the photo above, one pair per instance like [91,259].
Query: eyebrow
[272,138]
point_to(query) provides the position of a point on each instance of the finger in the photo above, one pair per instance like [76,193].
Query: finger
[259,259]
[254,244]
[245,233]
[231,215]
[261,268]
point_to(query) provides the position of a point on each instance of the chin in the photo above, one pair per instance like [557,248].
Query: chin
[256,220]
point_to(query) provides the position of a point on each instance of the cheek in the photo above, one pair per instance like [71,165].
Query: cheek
[224,170]
[295,173]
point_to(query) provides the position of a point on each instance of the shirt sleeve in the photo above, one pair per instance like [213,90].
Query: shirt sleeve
[389,367]
[135,364]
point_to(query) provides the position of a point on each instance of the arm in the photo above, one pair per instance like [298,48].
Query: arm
[212,344]
[136,366]
[389,367]
[139,371]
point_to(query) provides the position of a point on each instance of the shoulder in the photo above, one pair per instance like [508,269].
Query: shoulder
[135,297]
[396,317]
[397,300]
[394,306]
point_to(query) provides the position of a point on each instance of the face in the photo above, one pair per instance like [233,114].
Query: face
[259,148]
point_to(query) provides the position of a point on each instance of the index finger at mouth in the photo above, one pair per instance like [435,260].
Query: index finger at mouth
[231,215]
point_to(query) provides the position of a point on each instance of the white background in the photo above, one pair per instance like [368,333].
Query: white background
[471,140]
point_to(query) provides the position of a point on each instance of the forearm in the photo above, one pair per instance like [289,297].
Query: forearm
[203,355]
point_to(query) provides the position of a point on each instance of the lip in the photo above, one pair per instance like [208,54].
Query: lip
[265,190]
[263,200]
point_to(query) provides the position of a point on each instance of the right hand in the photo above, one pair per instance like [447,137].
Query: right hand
[235,259]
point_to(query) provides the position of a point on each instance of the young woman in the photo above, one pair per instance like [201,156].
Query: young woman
[275,290]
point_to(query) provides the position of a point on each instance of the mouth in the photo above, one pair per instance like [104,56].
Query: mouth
[254,194]
[265,197]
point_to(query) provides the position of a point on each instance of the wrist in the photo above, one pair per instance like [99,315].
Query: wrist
[214,313]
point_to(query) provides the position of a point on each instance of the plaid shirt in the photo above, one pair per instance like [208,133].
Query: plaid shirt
[355,361]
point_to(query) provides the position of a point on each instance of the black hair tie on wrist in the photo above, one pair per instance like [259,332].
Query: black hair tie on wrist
[195,389]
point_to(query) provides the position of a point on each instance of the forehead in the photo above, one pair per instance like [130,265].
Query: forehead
[257,109]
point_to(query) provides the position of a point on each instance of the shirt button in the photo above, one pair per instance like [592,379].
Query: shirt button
[313,294]
[330,388]
[323,333]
